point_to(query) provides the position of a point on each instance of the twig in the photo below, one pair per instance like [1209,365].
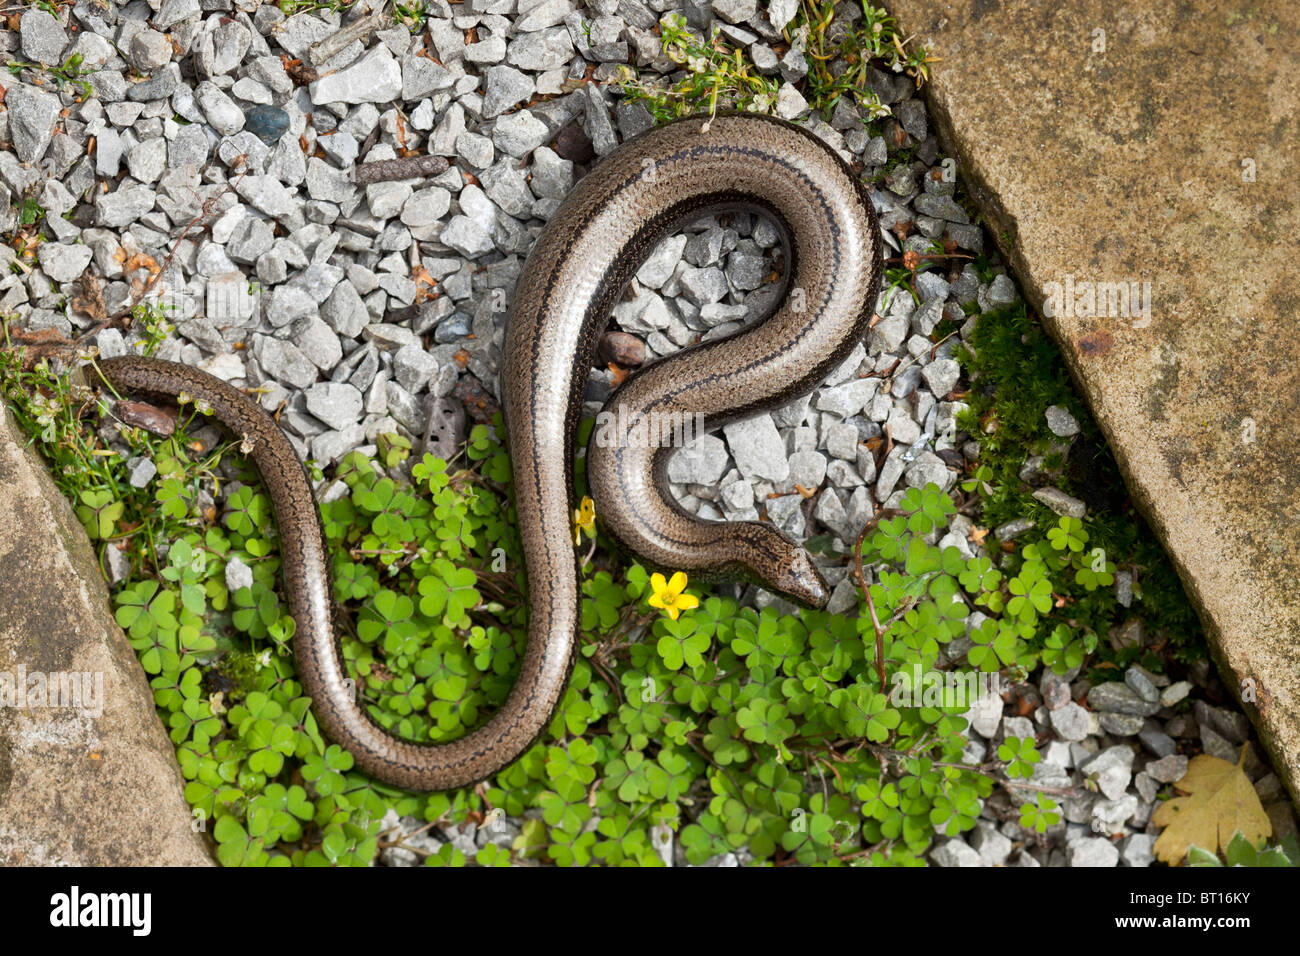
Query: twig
[925,256]
[990,769]
[605,675]
[866,591]
[367,143]
[416,832]
[358,29]
[902,365]
[391,170]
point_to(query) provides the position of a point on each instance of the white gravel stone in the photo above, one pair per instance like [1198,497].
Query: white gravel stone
[63,263]
[43,37]
[426,207]
[941,376]
[1168,769]
[985,715]
[219,109]
[414,368]
[993,847]
[848,399]
[955,853]
[1109,816]
[148,51]
[929,469]
[541,51]
[1093,851]
[888,334]
[735,11]
[842,441]
[790,103]
[469,237]
[1112,768]
[421,76]
[238,574]
[1139,850]
[1070,722]
[658,268]
[32,116]
[781,12]
[519,133]
[1060,502]
[1061,422]
[700,463]
[268,195]
[375,78]
[505,87]
[147,160]
[337,404]
[758,449]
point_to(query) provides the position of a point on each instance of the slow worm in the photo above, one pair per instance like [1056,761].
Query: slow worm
[613,219]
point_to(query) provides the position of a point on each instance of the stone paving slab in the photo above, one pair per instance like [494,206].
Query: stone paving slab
[88,776]
[1159,143]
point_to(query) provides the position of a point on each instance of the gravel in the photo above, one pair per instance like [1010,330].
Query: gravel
[43,37]
[32,115]
[1093,851]
[1061,422]
[63,263]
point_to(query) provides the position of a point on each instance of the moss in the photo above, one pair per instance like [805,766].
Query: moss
[1016,372]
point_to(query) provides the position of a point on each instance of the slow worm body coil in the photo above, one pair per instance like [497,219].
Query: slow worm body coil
[614,218]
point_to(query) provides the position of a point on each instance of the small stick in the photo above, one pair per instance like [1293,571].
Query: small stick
[358,29]
[866,591]
[365,146]
[391,170]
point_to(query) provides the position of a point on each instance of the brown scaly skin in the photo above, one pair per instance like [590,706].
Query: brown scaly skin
[611,222]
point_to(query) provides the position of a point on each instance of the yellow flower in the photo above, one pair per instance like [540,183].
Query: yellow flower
[584,519]
[669,595]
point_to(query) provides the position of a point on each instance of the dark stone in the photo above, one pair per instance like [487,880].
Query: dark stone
[452,329]
[622,348]
[480,404]
[267,123]
[573,144]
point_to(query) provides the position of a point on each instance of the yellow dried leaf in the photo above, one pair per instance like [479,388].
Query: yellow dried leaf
[1220,801]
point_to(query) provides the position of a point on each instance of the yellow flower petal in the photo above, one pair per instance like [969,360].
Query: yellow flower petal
[678,582]
[687,601]
[584,519]
[657,583]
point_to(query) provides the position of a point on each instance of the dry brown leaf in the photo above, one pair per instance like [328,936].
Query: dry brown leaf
[91,300]
[425,284]
[37,336]
[1220,802]
[141,261]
